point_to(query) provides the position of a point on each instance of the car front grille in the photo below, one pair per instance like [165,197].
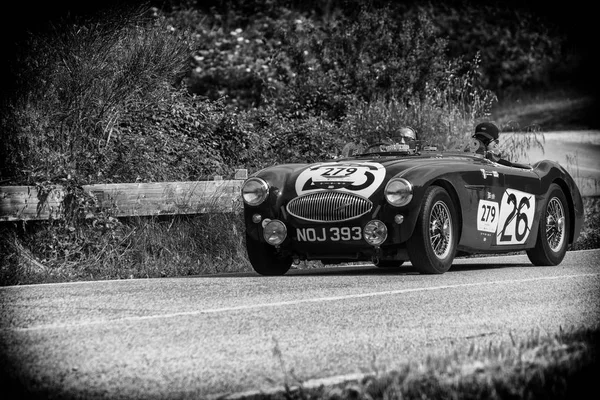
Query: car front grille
[329,206]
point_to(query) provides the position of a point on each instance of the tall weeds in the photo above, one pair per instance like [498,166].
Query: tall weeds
[110,248]
[81,80]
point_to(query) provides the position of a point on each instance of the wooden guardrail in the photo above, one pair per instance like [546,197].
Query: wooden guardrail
[22,203]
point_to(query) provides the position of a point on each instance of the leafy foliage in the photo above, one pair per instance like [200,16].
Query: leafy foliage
[81,82]
[519,48]
[106,101]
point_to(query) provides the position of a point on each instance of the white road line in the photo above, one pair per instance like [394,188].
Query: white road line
[291,303]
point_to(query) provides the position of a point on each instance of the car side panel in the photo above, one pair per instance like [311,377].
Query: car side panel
[471,181]
[481,210]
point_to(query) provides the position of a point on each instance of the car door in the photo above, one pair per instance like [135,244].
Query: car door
[481,211]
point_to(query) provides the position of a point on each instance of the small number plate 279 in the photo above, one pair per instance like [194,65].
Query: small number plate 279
[330,234]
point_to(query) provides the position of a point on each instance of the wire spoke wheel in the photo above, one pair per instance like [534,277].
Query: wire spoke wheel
[555,224]
[553,232]
[432,246]
[440,229]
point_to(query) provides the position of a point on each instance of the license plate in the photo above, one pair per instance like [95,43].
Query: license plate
[329,234]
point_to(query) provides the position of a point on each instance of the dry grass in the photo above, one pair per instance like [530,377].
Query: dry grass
[110,248]
[553,366]
[590,233]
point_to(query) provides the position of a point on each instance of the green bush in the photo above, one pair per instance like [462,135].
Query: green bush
[441,115]
[316,67]
[520,49]
[82,81]
[373,66]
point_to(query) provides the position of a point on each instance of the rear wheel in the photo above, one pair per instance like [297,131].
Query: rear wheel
[432,246]
[265,260]
[553,232]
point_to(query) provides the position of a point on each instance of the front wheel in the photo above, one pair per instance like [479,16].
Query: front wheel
[265,260]
[553,232]
[432,246]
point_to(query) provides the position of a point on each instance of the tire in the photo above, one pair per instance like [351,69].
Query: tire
[432,246]
[265,260]
[553,232]
[387,264]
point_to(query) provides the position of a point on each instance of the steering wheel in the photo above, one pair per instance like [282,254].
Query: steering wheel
[375,145]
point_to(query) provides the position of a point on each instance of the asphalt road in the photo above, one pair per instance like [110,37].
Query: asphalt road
[203,336]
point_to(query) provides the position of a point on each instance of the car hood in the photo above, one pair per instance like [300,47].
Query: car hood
[360,176]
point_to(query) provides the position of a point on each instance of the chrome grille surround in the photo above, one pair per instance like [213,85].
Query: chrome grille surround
[329,206]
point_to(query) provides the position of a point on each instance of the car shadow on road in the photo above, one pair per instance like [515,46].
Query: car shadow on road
[404,270]
[366,270]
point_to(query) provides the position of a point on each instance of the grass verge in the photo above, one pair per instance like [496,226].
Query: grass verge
[541,366]
[111,248]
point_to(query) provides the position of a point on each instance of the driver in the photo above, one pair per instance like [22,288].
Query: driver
[402,140]
[405,136]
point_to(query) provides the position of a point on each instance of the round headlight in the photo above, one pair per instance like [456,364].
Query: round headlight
[375,232]
[398,192]
[255,191]
[274,232]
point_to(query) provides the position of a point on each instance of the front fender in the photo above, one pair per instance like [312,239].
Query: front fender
[421,181]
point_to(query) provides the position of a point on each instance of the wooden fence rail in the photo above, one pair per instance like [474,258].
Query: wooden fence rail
[22,203]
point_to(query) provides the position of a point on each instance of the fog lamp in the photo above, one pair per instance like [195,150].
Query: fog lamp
[256,218]
[398,218]
[375,232]
[274,232]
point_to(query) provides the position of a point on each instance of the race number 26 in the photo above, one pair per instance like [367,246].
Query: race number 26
[516,217]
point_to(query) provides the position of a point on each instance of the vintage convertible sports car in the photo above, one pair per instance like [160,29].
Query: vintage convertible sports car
[390,203]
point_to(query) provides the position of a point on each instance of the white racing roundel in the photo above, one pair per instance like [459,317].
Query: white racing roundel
[360,178]
[517,212]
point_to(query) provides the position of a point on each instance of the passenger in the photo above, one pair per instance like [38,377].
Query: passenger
[488,134]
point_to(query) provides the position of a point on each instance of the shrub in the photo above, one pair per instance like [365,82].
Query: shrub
[178,138]
[375,65]
[520,49]
[82,80]
[108,248]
